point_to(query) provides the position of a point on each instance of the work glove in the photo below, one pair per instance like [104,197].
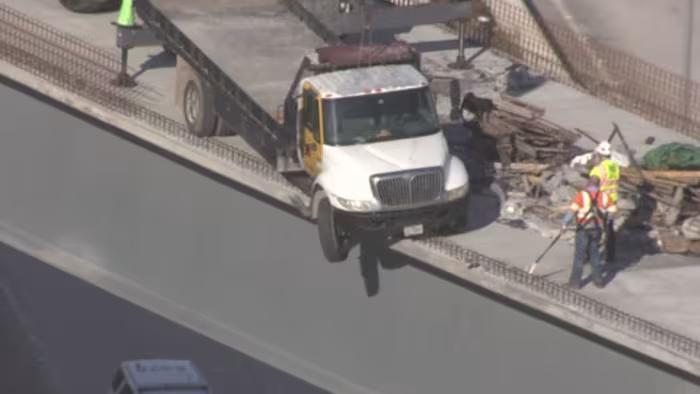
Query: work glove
[581,160]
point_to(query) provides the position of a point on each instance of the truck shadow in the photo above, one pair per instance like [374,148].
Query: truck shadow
[374,247]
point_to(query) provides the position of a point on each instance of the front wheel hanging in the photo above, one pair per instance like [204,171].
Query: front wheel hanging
[335,243]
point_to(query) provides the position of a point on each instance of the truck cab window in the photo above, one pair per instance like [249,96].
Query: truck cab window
[380,117]
[311,115]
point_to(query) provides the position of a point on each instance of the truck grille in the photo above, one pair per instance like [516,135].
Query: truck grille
[408,188]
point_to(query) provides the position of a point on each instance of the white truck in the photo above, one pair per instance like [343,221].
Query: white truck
[358,121]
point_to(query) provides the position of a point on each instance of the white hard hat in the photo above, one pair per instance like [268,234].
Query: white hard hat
[603,148]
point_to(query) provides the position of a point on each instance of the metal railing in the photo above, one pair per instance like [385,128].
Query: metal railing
[51,55]
[621,79]
[561,295]
[83,69]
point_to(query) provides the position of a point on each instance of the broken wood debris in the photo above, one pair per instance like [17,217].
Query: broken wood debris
[520,130]
[677,211]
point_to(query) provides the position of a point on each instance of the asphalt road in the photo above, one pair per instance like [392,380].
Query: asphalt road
[216,257]
[59,334]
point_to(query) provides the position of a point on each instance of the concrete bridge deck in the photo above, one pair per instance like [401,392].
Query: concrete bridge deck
[646,291]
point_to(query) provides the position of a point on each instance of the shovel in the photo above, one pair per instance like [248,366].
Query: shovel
[554,241]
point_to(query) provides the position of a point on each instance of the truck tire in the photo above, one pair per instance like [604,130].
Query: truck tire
[335,247]
[460,222]
[91,6]
[198,107]
[457,220]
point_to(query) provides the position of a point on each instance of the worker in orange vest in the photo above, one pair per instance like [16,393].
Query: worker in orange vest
[590,207]
[608,171]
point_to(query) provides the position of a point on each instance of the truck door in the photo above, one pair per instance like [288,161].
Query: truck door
[311,130]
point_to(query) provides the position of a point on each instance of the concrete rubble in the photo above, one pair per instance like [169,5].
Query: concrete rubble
[660,211]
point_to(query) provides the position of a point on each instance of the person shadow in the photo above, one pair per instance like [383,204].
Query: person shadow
[632,241]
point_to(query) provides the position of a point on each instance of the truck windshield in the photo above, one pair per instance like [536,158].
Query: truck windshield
[379,117]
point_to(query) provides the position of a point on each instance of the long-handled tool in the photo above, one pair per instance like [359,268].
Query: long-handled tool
[554,241]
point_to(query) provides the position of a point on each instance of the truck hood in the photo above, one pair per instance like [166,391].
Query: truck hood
[347,169]
[389,156]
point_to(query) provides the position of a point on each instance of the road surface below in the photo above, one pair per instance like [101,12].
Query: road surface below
[220,259]
[63,335]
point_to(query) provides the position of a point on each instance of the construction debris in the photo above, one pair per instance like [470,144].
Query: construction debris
[676,195]
[537,183]
[691,228]
[520,131]
[518,78]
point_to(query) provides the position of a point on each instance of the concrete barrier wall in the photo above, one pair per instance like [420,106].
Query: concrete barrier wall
[217,259]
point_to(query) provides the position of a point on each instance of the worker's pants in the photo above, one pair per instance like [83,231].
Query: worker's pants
[587,241]
[609,240]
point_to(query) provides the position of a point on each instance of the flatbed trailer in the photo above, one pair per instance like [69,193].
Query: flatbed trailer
[213,37]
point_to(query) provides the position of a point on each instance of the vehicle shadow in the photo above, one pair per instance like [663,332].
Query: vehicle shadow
[485,202]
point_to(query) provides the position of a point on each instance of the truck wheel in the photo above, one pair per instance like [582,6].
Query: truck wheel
[91,6]
[459,219]
[197,108]
[334,244]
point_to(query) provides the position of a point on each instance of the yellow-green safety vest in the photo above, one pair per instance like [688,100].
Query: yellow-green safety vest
[609,174]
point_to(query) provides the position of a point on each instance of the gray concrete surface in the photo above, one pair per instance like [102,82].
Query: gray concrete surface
[657,31]
[62,335]
[222,256]
[564,105]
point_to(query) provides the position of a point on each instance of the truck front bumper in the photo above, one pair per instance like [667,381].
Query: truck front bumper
[432,218]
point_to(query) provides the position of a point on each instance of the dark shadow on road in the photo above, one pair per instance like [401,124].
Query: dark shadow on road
[632,241]
[162,60]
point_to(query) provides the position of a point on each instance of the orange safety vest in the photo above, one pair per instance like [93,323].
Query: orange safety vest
[609,174]
[585,213]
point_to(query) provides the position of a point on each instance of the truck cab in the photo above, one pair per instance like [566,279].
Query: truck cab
[371,140]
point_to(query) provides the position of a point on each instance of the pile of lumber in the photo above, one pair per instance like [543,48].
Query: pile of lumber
[680,189]
[677,212]
[533,138]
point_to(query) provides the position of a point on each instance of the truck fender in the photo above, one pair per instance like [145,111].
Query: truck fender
[318,195]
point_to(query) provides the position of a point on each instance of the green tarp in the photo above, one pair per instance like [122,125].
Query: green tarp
[673,156]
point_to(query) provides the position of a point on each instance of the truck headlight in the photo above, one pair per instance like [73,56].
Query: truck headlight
[457,193]
[356,205]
